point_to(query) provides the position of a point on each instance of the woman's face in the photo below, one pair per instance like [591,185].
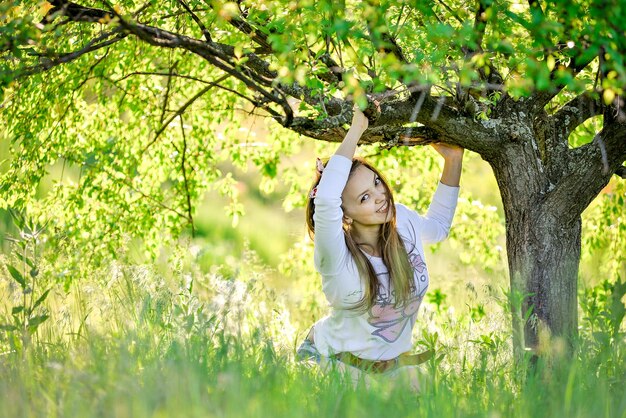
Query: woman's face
[364,199]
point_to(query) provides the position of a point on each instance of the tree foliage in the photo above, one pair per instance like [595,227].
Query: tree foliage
[139,100]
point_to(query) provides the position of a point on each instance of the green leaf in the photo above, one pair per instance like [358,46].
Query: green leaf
[8,327]
[26,260]
[17,309]
[35,321]
[41,299]
[18,220]
[17,276]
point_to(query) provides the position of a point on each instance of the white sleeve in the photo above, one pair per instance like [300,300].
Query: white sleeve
[435,226]
[331,251]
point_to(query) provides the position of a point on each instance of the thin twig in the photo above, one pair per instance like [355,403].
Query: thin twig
[172,74]
[452,12]
[205,31]
[184,153]
[182,110]
[167,93]
[71,101]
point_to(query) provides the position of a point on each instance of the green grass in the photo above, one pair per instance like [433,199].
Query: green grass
[211,333]
[134,343]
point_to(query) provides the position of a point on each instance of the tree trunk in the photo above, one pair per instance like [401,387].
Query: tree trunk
[543,264]
[543,248]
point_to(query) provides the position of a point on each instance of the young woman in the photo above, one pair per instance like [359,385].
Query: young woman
[369,253]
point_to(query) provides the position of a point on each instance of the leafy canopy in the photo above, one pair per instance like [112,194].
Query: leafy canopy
[120,115]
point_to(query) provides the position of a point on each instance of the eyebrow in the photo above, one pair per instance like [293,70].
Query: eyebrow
[359,196]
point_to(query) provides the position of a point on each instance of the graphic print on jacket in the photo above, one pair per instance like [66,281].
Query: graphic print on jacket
[391,321]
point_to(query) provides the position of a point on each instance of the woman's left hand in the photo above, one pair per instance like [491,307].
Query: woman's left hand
[453,161]
[449,152]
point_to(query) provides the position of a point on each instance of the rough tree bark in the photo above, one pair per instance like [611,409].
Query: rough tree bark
[544,192]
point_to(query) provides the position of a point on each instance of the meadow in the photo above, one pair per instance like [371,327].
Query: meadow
[209,329]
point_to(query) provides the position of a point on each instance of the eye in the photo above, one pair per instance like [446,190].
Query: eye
[365,197]
[377,180]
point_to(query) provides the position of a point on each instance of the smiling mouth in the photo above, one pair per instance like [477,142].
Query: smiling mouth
[383,208]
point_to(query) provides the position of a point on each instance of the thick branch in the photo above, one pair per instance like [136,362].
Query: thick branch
[480,25]
[335,74]
[93,45]
[489,74]
[403,136]
[75,12]
[440,123]
[389,136]
[254,73]
[541,98]
[257,36]
[437,115]
[593,165]
[577,111]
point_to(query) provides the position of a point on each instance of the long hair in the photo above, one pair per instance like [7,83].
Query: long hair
[394,253]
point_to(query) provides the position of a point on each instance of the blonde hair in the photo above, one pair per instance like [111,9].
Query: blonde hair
[394,254]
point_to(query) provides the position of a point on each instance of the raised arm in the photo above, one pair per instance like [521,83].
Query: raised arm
[435,226]
[349,143]
[330,247]
[453,163]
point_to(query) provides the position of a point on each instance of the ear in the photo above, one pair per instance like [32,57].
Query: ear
[347,221]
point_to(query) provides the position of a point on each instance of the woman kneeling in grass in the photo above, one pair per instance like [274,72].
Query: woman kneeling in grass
[370,255]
